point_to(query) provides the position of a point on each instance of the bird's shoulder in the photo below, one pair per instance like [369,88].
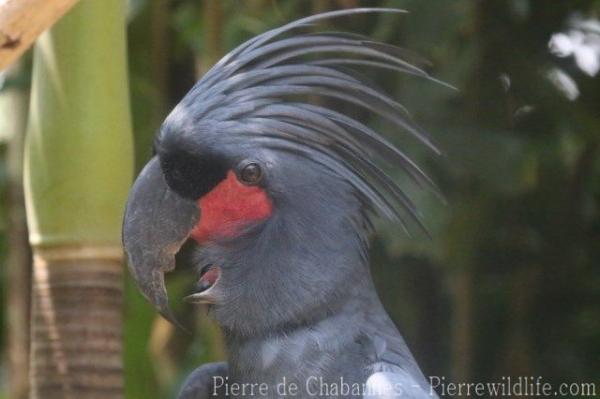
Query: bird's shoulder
[389,381]
[204,382]
[392,372]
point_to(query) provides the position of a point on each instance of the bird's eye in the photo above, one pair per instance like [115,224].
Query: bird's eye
[251,173]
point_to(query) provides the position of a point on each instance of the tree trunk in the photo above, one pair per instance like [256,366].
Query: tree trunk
[78,168]
[76,323]
[463,239]
[14,113]
[212,33]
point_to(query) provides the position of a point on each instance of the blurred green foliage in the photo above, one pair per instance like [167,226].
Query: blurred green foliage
[509,284]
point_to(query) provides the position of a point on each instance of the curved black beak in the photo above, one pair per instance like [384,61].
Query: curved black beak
[157,223]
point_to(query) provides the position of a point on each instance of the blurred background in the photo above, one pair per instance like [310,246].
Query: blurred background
[509,283]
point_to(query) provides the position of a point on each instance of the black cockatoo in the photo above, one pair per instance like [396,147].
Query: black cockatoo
[277,191]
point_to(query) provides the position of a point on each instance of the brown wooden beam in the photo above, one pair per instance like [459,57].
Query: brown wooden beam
[22,21]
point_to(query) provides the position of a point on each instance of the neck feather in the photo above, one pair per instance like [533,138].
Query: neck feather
[299,267]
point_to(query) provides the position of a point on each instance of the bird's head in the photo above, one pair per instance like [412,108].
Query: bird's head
[248,150]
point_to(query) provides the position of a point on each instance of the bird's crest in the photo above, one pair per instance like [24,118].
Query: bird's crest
[265,89]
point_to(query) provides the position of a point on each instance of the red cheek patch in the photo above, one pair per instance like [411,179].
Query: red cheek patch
[230,206]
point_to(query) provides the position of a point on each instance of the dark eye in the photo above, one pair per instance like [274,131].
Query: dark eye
[251,173]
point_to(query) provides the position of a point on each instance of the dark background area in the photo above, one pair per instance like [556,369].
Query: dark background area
[509,283]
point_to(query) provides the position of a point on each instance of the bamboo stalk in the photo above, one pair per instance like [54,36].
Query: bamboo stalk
[78,168]
[22,21]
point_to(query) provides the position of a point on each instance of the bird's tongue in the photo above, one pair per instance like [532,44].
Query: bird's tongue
[208,278]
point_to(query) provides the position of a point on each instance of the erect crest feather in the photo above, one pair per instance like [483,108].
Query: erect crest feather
[264,91]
